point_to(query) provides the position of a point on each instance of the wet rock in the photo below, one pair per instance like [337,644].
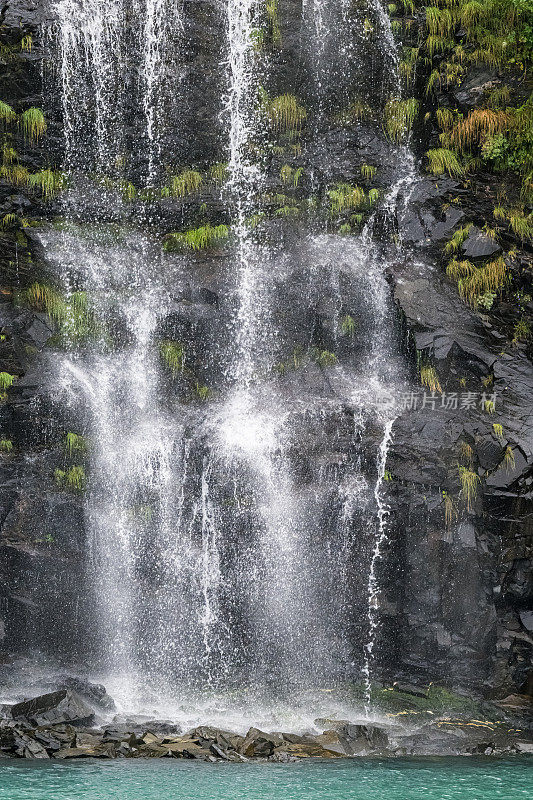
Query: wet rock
[478,245]
[409,688]
[478,81]
[57,707]
[95,693]
[258,744]
[524,747]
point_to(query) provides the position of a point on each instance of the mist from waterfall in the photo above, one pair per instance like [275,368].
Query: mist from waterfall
[234,538]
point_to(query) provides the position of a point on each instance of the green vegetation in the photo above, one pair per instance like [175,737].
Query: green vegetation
[6,380]
[457,240]
[73,479]
[218,173]
[466,452]
[7,114]
[344,197]
[173,356]
[284,111]
[74,443]
[478,285]
[73,315]
[348,326]
[325,358]
[522,330]
[450,510]
[203,238]
[443,161]
[290,176]
[48,182]
[399,117]
[33,124]
[187,182]
[470,482]
[429,378]
[368,171]
[272,13]
[498,431]
[202,392]
[6,445]
[508,461]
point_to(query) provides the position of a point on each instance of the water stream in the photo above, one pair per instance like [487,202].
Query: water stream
[234,529]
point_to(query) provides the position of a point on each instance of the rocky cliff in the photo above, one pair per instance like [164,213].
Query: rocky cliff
[456,606]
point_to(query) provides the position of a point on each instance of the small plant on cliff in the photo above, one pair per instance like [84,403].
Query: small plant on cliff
[348,326]
[6,380]
[456,242]
[73,479]
[368,171]
[442,161]
[344,197]
[508,462]
[173,356]
[498,431]
[187,182]
[6,445]
[521,224]
[219,173]
[74,443]
[470,482]
[47,182]
[429,378]
[467,454]
[202,392]
[325,358]
[489,406]
[284,111]
[450,509]
[26,43]
[33,124]
[399,116]
[522,330]
[7,114]
[203,238]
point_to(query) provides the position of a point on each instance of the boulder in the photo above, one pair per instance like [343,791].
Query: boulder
[54,708]
[258,744]
[478,245]
[94,693]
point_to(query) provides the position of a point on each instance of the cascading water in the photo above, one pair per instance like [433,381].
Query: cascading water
[234,532]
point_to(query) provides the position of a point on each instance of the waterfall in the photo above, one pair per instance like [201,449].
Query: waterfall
[233,534]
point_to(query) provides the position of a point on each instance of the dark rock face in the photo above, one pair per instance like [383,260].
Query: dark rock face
[52,709]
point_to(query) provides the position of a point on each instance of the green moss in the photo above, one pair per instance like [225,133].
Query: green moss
[6,445]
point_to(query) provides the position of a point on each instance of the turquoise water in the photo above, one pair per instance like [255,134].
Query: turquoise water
[394,779]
